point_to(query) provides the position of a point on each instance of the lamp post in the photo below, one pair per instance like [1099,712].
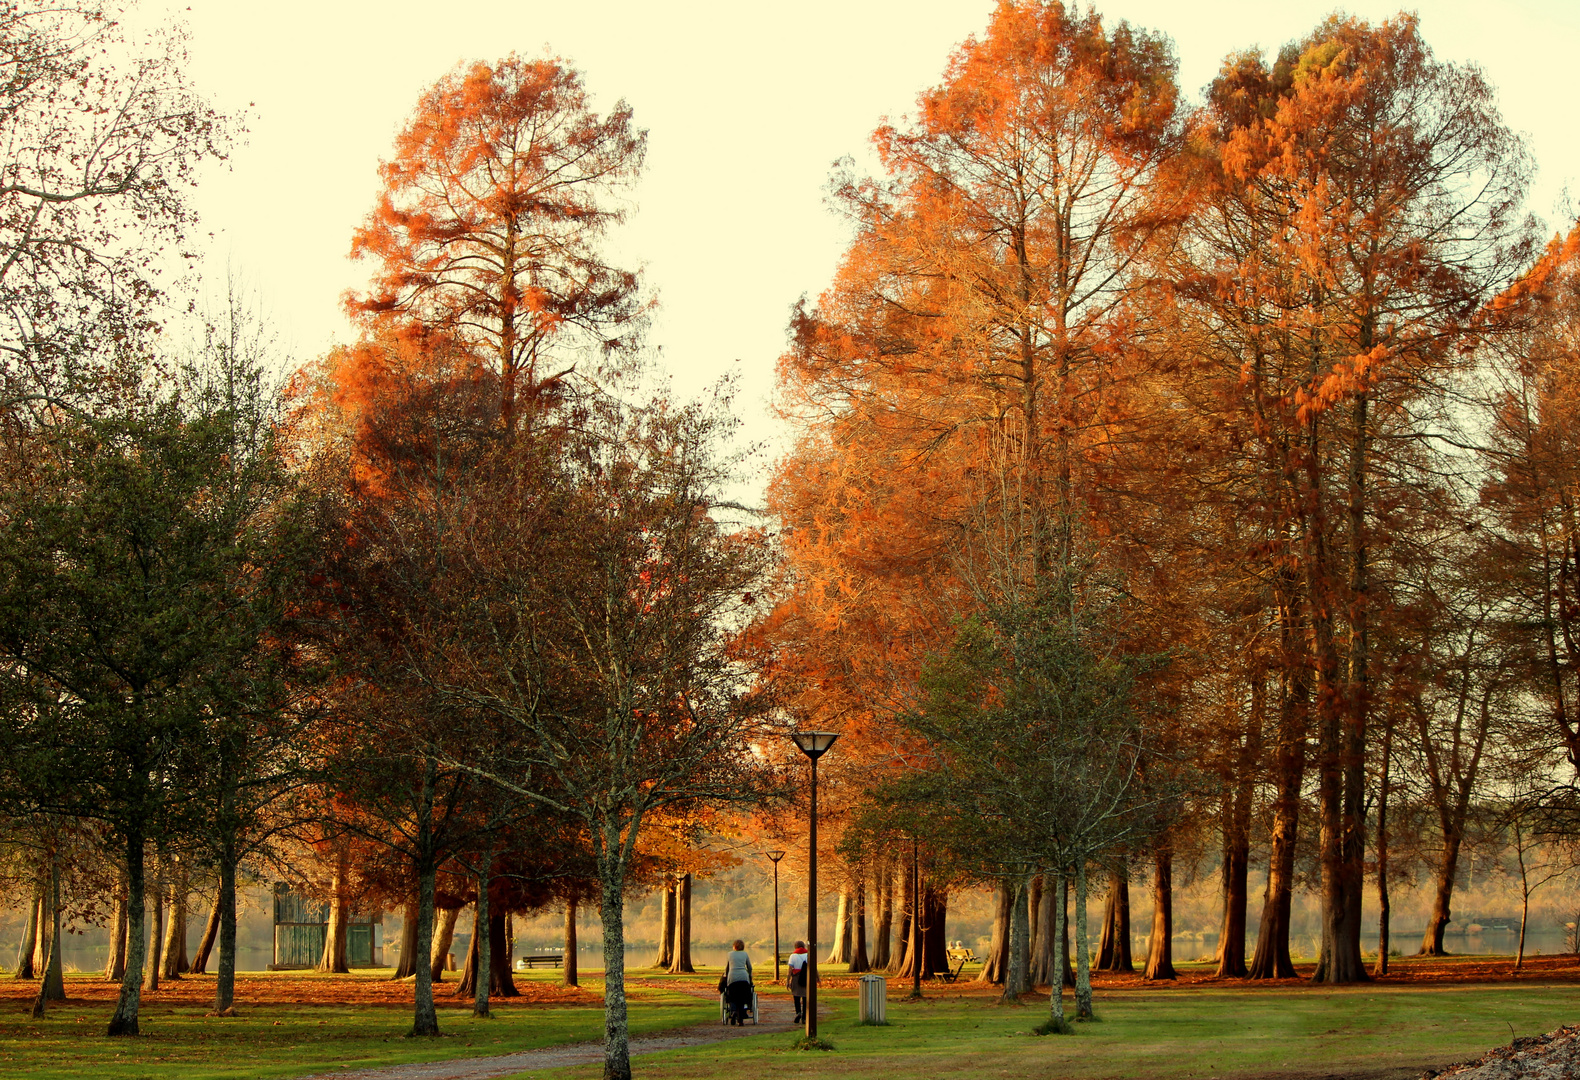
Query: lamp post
[916,917]
[814,744]
[774,857]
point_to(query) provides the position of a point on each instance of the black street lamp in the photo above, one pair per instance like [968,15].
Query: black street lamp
[814,744]
[774,857]
[916,917]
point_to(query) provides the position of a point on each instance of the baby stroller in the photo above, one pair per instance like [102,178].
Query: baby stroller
[724,1007]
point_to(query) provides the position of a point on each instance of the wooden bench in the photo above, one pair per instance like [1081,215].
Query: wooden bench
[532,960]
[959,957]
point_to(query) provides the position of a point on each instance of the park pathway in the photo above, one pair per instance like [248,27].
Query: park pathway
[777,1016]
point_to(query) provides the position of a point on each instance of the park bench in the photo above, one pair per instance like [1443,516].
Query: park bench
[532,960]
[959,956]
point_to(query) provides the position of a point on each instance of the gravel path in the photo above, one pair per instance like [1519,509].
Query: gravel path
[777,1016]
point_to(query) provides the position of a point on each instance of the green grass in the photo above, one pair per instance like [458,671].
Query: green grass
[1235,1034]
[180,1043]
[1239,1034]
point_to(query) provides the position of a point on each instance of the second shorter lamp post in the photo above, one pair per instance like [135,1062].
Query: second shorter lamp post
[814,744]
[774,857]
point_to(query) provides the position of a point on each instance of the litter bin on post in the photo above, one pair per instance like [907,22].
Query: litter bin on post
[873,993]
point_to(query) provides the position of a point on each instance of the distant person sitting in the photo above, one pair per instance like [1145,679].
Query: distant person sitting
[738,983]
[798,960]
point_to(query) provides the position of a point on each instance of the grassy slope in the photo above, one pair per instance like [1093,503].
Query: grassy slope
[1359,1032]
[291,1039]
[1263,1032]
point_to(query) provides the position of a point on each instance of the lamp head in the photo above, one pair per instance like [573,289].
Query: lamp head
[814,744]
[775,856]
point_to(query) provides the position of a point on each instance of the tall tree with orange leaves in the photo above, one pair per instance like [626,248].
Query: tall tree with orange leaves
[1360,203]
[955,381]
[500,189]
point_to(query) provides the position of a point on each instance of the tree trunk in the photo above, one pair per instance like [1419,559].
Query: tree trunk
[902,943]
[1160,946]
[859,962]
[155,940]
[1236,864]
[1056,984]
[1013,904]
[425,1021]
[608,850]
[1043,939]
[482,940]
[115,965]
[503,980]
[666,932]
[681,963]
[1114,946]
[935,945]
[175,950]
[333,959]
[225,901]
[1443,895]
[995,965]
[885,896]
[52,986]
[1034,906]
[1384,908]
[570,976]
[26,966]
[206,945]
[1064,938]
[839,947]
[406,966]
[1083,960]
[1271,959]
[443,941]
[124,1020]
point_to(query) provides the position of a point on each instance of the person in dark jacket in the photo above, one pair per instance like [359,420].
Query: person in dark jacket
[798,960]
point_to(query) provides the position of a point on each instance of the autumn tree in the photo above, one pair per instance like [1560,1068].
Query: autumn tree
[138,588]
[499,191]
[1360,202]
[105,137]
[613,671]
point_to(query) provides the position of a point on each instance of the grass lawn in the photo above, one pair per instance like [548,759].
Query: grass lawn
[293,1024]
[279,1034]
[1364,1032]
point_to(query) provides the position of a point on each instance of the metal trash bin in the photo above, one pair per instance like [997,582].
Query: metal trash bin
[873,994]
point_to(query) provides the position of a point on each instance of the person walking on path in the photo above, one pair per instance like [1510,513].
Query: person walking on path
[738,982]
[798,960]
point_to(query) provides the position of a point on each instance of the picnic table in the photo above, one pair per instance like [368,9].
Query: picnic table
[959,956]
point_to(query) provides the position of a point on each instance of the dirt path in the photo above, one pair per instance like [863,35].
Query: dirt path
[777,1016]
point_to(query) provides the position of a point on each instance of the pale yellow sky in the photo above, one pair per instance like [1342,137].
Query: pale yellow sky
[747,105]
